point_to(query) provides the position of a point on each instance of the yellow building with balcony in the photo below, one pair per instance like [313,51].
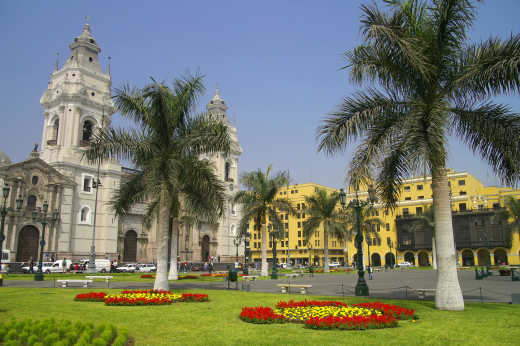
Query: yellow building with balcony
[479,221]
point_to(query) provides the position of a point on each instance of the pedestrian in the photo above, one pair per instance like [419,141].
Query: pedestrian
[64,265]
[52,258]
[210,267]
[185,266]
[370,273]
[31,265]
[205,266]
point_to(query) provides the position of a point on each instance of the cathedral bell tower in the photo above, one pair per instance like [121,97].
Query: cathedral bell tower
[77,102]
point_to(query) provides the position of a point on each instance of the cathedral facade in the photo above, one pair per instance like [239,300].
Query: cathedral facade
[76,104]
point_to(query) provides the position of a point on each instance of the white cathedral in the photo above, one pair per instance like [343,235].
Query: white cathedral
[78,102]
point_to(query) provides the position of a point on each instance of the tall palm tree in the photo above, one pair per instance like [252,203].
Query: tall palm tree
[426,221]
[323,211]
[428,83]
[261,203]
[166,148]
[369,225]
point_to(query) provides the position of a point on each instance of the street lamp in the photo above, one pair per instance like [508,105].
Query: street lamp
[357,205]
[3,213]
[274,273]
[236,242]
[42,217]
[247,240]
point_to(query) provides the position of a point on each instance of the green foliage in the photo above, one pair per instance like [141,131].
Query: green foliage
[63,333]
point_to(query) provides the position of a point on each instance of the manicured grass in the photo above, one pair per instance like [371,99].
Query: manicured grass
[216,322]
[131,277]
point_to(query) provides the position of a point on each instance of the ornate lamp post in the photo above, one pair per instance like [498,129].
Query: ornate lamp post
[3,213]
[357,205]
[236,242]
[247,240]
[42,217]
[274,273]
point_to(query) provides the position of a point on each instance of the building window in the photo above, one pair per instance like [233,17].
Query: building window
[227,169]
[299,225]
[420,197]
[270,244]
[386,212]
[378,227]
[287,216]
[303,216]
[298,206]
[87,130]
[419,187]
[405,211]
[299,233]
[35,179]
[255,236]
[31,202]
[462,193]
[418,210]
[56,129]
[305,243]
[462,182]
[299,242]
[233,209]
[496,205]
[303,208]
[84,214]
[462,206]
[408,198]
[407,188]
[387,227]
[87,183]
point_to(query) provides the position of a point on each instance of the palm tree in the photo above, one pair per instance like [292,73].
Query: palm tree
[428,83]
[260,203]
[426,221]
[323,210]
[369,226]
[166,147]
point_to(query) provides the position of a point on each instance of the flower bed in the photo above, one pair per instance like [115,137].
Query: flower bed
[193,297]
[205,274]
[91,297]
[260,315]
[147,276]
[186,277]
[149,297]
[52,332]
[330,314]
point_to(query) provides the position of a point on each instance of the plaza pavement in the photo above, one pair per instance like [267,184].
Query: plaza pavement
[397,284]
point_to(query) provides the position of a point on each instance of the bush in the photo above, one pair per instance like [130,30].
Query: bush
[62,333]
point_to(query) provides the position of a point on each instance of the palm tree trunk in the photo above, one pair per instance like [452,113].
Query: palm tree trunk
[265,271]
[325,251]
[174,273]
[161,277]
[449,294]
[434,253]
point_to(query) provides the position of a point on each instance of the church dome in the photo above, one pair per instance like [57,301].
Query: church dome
[4,159]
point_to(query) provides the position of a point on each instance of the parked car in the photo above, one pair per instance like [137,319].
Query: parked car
[102,265]
[282,265]
[196,267]
[404,264]
[147,267]
[127,268]
[334,265]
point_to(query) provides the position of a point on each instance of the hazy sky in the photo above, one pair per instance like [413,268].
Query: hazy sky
[277,64]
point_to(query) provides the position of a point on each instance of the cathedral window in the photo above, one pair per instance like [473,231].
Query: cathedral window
[87,130]
[90,59]
[227,171]
[31,202]
[87,183]
[233,209]
[35,179]
[84,214]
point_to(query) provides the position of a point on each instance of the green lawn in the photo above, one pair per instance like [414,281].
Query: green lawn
[216,322]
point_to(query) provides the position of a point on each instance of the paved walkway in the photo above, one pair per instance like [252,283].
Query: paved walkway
[389,284]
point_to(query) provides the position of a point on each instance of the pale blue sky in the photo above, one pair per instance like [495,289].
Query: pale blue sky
[276,63]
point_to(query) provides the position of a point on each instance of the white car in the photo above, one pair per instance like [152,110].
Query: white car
[404,264]
[127,268]
[45,266]
[334,264]
[147,268]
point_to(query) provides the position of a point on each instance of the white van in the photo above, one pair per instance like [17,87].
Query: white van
[102,265]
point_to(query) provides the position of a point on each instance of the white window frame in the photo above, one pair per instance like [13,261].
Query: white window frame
[83,176]
[87,221]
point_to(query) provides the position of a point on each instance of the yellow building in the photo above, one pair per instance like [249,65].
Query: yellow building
[479,227]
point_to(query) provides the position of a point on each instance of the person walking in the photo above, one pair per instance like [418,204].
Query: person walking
[31,265]
[370,273]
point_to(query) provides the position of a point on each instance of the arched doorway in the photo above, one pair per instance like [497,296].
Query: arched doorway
[130,247]
[376,260]
[389,260]
[468,259]
[409,257]
[205,248]
[424,260]
[28,244]
[483,257]
[500,257]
